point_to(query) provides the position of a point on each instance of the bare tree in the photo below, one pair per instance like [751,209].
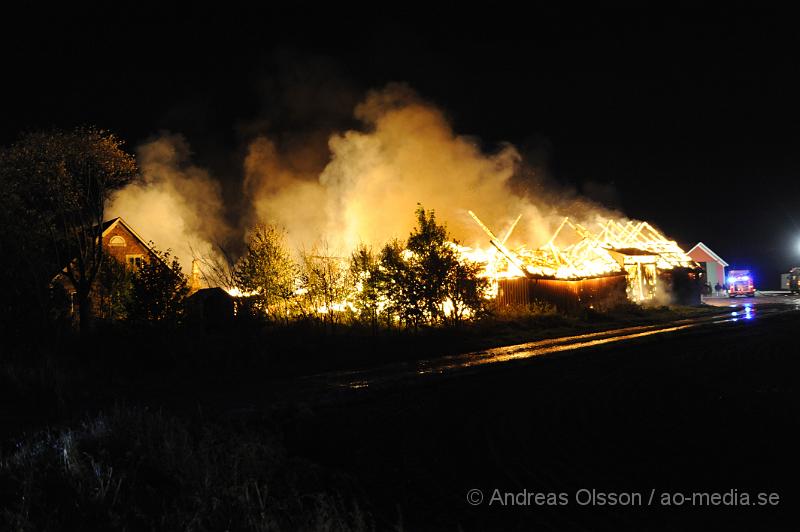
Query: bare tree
[216,269]
[327,282]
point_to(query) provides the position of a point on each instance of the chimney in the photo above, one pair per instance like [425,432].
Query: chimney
[194,282]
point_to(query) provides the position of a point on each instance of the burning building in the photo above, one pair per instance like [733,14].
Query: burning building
[620,262]
[632,261]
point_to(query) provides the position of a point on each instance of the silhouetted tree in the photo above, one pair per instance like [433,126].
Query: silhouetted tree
[28,262]
[401,286]
[113,288]
[427,280]
[158,290]
[366,276]
[59,182]
[465,290]
[432,261]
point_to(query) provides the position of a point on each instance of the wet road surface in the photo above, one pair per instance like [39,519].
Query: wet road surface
[761,298]
[331,385]
[709,406]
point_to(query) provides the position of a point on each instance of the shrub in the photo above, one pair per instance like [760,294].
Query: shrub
[158,290]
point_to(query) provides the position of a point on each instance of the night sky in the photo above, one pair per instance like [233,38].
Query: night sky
[687,121]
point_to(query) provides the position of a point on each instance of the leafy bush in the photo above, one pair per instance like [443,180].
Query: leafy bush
[158,290]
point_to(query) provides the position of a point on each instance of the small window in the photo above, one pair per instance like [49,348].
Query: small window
[117,242]
[134,261]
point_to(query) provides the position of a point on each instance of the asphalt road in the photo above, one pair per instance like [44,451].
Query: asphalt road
[335,386]
[708,409]
[761,298]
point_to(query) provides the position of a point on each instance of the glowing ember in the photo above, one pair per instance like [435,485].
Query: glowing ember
[236,292]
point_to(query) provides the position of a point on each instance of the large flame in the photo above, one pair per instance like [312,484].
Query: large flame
[634,248]
[618,247]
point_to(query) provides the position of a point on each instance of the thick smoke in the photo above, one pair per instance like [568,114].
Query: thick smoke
[283,194]
[176,204]
[405,153]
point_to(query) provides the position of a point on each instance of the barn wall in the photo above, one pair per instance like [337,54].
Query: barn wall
[565,295]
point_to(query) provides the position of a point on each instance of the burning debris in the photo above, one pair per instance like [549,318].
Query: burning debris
[652,265]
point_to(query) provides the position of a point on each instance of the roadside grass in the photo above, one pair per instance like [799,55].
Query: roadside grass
[137,469]
[57,380]
[63,381]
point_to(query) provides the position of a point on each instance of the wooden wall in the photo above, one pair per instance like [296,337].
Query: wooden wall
[565,295]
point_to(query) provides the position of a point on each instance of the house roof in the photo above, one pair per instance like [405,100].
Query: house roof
[107,226]
[108,223]
[708,251]
[205,293]
[112,223]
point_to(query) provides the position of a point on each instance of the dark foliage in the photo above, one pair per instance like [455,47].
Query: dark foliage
[425,281]
[55,185]
[158,291]
[113,289]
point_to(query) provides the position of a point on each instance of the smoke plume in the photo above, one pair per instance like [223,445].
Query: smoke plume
[404,153]
[176,204]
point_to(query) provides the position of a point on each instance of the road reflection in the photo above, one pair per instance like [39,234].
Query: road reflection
[407,373]
[410,371]
[747,312]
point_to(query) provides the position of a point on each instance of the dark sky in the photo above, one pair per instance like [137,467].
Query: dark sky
[689,121]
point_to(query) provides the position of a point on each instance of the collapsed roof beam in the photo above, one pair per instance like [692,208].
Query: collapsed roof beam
[500,245]
[511,229]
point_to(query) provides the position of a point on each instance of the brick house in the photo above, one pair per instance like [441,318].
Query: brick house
[124,244]
[121,242]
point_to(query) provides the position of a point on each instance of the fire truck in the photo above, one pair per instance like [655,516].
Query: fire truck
[740,283]
[794,280]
